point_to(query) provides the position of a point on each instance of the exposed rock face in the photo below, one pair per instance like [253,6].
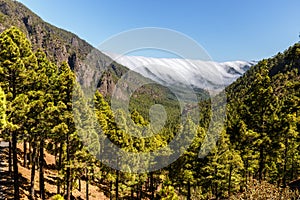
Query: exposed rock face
[107,85]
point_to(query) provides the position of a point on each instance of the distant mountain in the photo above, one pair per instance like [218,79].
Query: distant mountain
[176,71]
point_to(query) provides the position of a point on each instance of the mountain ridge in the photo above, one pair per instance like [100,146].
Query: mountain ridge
[58,44]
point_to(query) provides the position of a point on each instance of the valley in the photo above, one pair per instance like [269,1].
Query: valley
[134,127]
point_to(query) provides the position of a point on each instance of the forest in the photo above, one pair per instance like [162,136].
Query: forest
[256,155]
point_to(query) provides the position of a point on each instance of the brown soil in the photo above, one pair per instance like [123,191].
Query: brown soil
[50,186]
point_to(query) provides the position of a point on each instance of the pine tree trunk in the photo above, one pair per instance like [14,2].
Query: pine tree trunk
[216,185]
[137,191]
[71,183]
[68,171]
[189,191]
[79,184]
[179,189]
[293,167]
[87,184]
[151,186]
[285,162]
[55,154]
[10,158]
[261,164]
[32,176]
[42,181]
[15,166]
[59,168]
[117,185]
[25,154]
[229,181]
[110,190]
[132,192]
[141,191]
[29,155]
[246,172]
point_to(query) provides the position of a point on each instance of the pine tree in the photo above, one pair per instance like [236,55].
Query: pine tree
[16,61]
[66,81]
[167,192]
[261,107]
[287,139]
[46,76]
[223,168]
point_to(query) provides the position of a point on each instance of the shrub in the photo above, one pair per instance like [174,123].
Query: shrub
[263,190]
[57,197]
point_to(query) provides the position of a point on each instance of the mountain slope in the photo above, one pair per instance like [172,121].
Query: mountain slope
[281,64]
[59,45]
[263,107]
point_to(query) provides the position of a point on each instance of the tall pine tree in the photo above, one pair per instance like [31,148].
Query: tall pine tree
[16,62]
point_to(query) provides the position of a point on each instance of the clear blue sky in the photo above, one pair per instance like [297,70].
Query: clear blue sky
[228,30]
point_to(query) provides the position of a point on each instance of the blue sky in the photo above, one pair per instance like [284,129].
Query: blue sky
[228,30]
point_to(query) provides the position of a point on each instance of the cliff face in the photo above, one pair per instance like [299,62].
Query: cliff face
[59,45]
